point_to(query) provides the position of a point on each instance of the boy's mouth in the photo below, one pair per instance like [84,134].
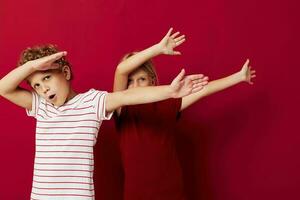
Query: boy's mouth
[51,96]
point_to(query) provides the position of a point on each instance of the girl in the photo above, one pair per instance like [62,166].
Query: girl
[151,166]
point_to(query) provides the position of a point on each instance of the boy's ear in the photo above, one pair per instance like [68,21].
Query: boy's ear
[67,72]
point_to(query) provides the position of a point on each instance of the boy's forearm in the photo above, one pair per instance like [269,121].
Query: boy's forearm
[12,80]
[142,95]
[139,95]
[134,61]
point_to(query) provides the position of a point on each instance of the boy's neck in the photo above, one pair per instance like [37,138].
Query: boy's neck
[71,95]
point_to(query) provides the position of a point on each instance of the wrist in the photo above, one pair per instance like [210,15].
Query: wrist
[29,66]
[157,49]
[171,93]
[240,76]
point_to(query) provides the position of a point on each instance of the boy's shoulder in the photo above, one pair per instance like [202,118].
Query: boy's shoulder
[93,91]
[91,95]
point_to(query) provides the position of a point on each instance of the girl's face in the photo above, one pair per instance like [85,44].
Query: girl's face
[52,85]
[139,78]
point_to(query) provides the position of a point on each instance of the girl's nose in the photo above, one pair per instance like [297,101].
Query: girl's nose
[136,84]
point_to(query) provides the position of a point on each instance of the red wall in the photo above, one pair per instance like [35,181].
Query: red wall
[240,144]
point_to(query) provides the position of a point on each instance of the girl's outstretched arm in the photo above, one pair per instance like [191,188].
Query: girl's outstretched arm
[181,86]
[9,84]
[165,46]
[244,75]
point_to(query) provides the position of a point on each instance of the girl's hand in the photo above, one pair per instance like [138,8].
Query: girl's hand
[184,85]
[247,73]
[46,62]
[169,42]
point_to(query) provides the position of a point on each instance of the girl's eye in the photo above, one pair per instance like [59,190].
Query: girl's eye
[142,79]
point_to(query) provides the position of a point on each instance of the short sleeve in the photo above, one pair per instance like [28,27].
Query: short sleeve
[100,105]
[35,105]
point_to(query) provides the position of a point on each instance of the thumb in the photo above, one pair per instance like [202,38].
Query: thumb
[247,62]
[176,53]
[169,32]
[180,76]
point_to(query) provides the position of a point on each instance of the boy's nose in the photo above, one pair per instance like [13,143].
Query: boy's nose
[45,89]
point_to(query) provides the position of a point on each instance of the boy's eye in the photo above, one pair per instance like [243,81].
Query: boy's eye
[142,79]
[36,86]
[46,78]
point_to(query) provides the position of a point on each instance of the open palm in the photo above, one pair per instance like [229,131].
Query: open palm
[184,85]
[169,42]
[247,73]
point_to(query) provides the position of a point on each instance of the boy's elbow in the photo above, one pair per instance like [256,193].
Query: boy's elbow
[5,91]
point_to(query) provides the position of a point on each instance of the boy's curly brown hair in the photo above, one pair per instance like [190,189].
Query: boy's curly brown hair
[33,53]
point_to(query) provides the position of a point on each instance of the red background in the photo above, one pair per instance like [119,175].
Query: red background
[239,144]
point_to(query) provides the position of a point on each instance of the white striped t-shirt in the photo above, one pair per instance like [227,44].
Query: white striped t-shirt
[65,136]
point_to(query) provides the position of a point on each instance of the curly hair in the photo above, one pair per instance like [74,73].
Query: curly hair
[39,51]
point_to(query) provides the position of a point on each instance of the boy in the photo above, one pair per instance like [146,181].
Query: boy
[67,122]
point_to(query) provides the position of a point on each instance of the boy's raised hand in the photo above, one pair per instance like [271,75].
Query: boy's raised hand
[169,42]
[247,73]
[184,85]
[47,62]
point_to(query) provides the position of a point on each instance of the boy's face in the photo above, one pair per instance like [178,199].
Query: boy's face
[139,78]
[52,85]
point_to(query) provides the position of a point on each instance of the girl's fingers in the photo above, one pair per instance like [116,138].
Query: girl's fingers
[176,53]
[169,33]
[180,76]
[247,62]
[173,36]
[180,42]
[179,38]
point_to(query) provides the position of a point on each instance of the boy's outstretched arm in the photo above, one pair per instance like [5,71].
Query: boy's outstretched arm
[9,84]
[181,86]
[244,75]
[165,46]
